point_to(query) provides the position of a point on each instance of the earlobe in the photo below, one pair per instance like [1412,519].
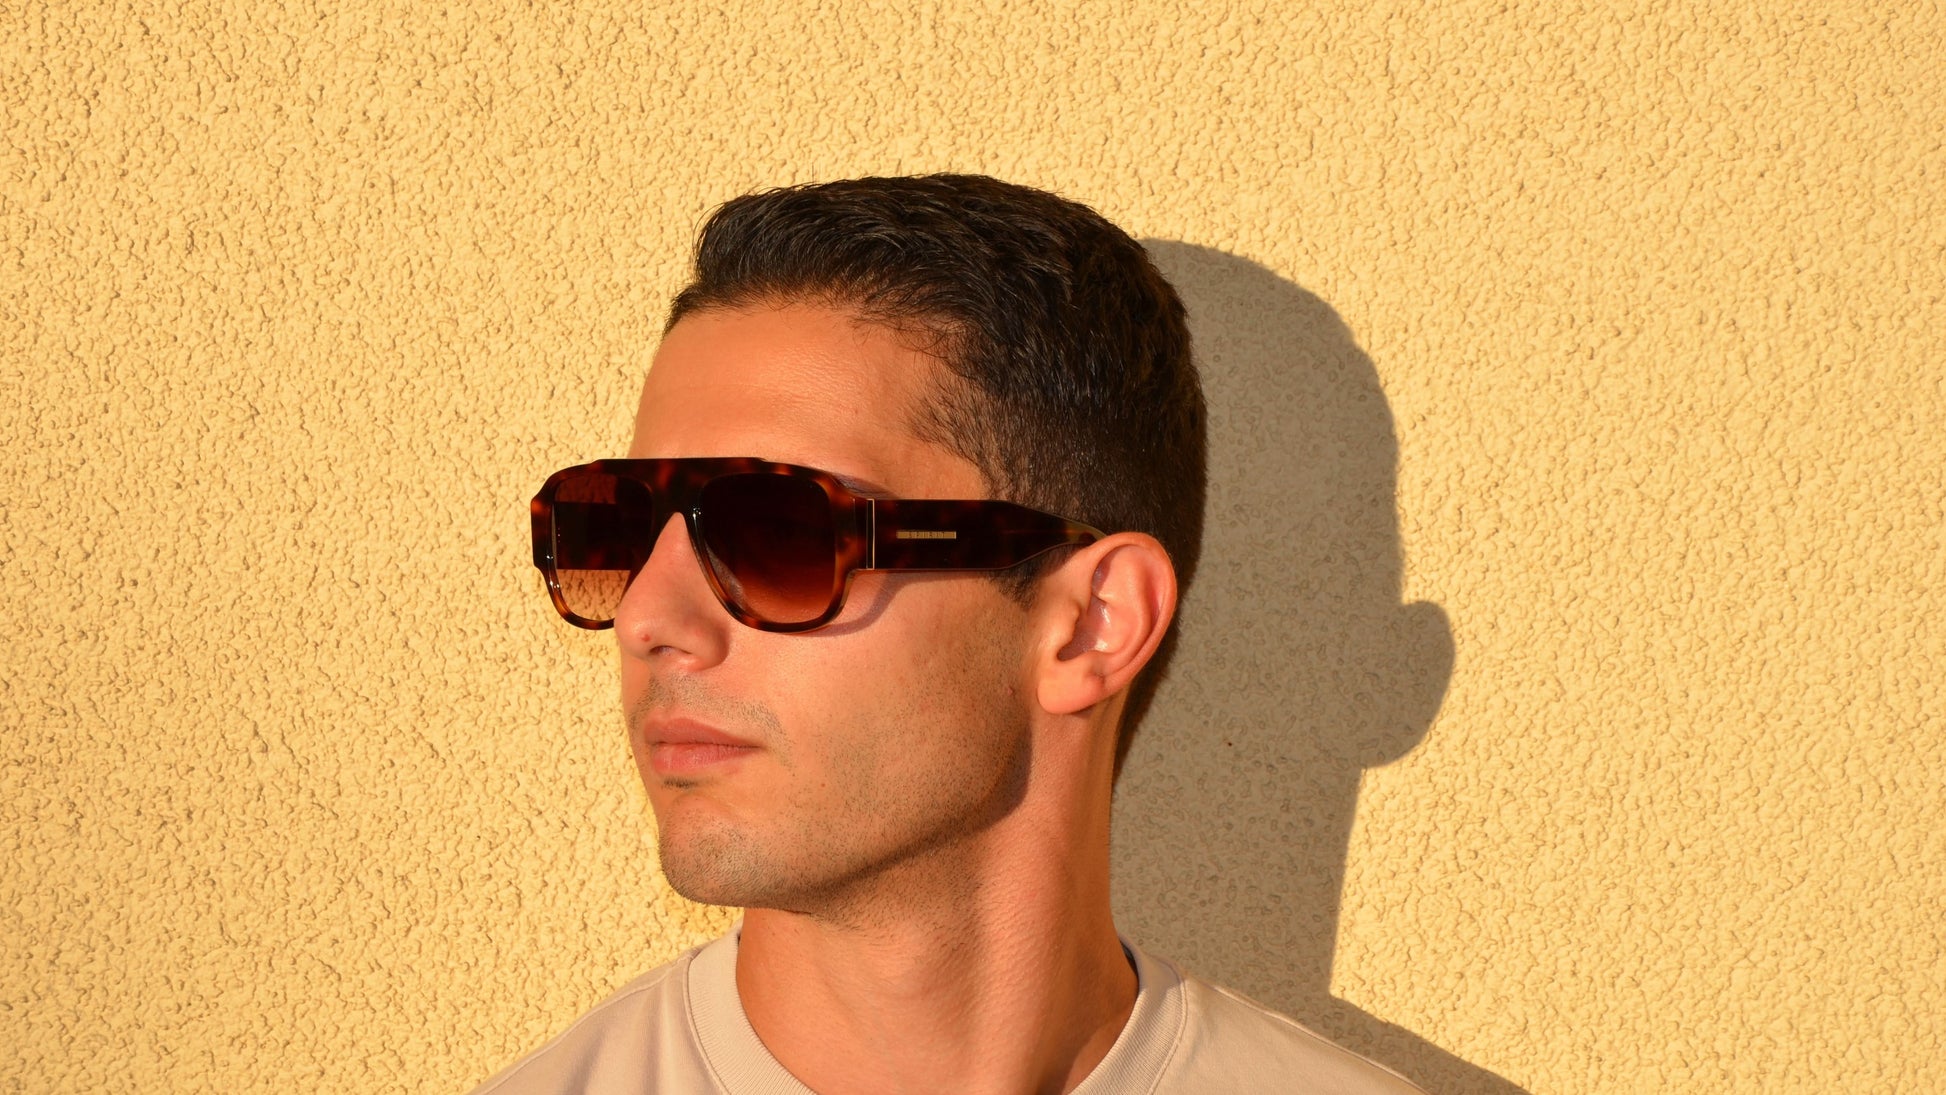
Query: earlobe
[1105,632]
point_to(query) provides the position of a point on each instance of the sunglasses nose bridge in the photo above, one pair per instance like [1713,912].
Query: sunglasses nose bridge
[682,496]
[664,583]
[678,488]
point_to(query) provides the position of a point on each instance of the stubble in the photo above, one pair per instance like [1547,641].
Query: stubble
[876,801]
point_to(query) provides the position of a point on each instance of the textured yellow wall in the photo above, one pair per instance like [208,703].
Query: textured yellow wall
[1621,450]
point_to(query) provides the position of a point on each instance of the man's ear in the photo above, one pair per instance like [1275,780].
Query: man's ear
[1107,610]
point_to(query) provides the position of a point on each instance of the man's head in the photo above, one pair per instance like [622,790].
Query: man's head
[941,337]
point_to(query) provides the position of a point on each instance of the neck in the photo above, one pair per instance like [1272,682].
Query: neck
[992,960]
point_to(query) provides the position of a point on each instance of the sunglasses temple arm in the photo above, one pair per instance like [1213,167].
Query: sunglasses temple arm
[912,534]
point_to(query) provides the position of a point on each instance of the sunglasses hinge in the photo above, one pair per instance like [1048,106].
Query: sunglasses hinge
[871,533]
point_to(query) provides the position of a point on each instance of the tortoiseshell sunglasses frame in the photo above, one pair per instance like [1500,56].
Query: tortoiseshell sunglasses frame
[868,533]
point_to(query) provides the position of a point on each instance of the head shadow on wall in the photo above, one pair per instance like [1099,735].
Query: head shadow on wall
[1298,667]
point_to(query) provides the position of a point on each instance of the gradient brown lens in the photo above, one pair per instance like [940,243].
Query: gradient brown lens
[604,528]
[772,543]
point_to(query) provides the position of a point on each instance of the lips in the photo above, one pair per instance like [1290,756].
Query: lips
[685,747]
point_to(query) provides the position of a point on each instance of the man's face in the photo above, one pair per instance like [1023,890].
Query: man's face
[899,727]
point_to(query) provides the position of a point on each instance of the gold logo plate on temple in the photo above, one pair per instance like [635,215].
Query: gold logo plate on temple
[926,534]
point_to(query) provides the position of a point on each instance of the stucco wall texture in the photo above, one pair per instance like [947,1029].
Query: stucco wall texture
[1561,709]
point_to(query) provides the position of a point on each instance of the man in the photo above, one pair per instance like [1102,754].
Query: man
[888,726]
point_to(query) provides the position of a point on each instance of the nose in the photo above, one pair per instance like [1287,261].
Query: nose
[668,613]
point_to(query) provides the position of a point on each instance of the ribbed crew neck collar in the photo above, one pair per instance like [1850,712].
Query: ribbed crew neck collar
[739,1061]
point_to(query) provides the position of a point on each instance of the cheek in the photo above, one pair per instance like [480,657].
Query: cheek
[928,689]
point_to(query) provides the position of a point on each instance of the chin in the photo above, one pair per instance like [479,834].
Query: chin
[713,864]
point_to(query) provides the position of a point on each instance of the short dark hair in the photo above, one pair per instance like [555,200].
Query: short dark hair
[1078,394]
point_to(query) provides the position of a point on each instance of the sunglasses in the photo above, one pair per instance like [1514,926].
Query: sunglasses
[778,542]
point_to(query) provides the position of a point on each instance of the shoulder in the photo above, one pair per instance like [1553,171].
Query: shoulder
[605,1049]
[1232,1043]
